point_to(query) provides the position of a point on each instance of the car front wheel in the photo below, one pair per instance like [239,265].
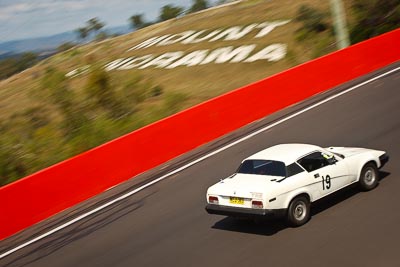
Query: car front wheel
[299,211]
[369,177]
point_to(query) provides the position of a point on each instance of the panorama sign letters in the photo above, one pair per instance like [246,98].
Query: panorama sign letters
[228,54]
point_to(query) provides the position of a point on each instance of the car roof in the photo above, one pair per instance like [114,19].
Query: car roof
[287,153]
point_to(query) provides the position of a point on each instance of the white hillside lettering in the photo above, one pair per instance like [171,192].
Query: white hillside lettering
[224,54]
[272,52]
[192,59]
[229,34]
[228,54]
[267,27]
[234,33]
[163,60]
[135,62]
[194,38]
[175,38]
[149,42]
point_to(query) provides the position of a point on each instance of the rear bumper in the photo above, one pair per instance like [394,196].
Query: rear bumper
[245,212]
[383,159]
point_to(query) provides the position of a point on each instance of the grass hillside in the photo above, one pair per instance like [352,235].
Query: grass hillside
[47,117]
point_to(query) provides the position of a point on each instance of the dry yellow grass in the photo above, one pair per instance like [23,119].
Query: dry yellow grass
[22,91]
[28,146]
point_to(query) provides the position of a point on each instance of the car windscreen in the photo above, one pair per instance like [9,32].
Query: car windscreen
[263,167]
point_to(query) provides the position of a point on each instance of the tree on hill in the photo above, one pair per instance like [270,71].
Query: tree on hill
[313,20]
[13,65]
[101,36]
[83,33]
[198,5]
[27,60]
[92,26]
[170,12]
[136,21]
[374,18]
[8,67]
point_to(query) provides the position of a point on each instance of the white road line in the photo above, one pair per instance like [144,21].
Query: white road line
[193,163]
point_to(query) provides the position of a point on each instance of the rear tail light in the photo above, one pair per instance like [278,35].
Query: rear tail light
[212,200]
[257,204]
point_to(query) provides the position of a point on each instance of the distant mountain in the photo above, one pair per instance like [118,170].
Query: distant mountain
[48,43]
[6,55]
[123,29]
[38,44]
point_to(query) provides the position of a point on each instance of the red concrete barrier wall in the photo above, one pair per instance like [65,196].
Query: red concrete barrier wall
[56,188]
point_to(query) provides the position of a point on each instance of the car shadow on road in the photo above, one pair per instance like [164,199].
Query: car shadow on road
[269,228]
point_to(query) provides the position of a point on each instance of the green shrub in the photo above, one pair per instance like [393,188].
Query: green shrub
[374,18]
[156,91]
[103,95]
[135,90]
[65,46]
[312,19]
[174,102]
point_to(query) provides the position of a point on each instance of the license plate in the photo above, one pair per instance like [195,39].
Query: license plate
[236,200]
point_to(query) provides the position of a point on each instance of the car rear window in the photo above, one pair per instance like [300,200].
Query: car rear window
[263,167]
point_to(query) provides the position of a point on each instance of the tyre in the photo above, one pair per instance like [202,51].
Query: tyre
[298,211]
[368,177]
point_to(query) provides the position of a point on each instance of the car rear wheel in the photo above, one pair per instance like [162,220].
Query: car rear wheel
[299,211]
[369,177]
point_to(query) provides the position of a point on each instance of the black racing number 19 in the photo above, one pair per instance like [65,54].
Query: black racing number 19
[326,182]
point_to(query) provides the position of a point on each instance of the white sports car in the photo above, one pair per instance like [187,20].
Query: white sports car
[283,180]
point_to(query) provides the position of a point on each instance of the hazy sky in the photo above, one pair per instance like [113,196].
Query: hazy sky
[23,19]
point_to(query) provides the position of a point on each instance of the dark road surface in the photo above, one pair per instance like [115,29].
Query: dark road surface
[166,224]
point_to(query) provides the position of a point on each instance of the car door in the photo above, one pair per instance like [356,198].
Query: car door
[328,173]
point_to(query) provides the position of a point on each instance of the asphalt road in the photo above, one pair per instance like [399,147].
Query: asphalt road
[166,224]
